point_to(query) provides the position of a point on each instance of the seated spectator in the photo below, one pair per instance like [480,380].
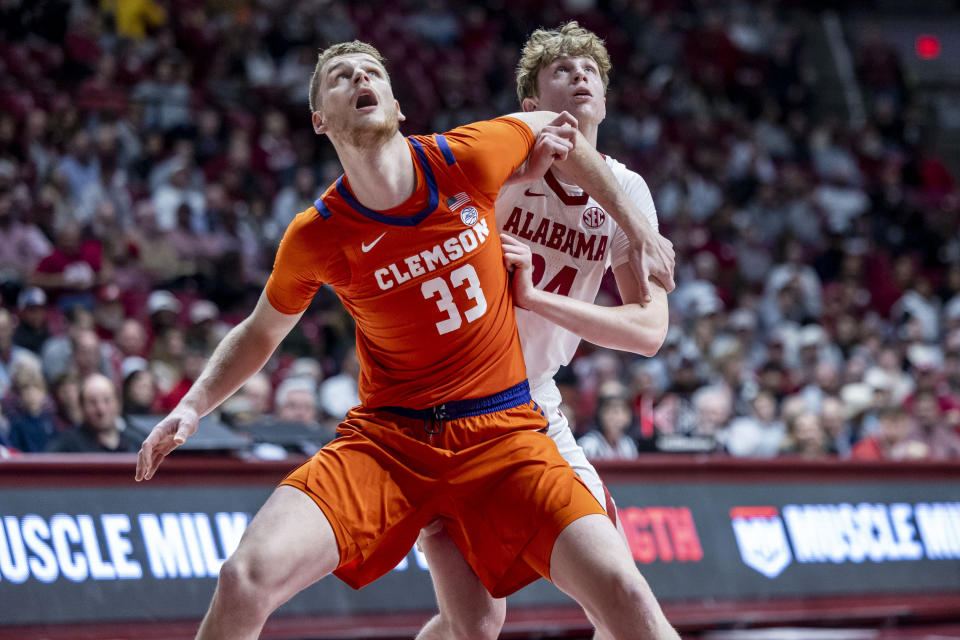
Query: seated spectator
[139,391]
[296,401]
[22,245]
[840,435]
[100,430]
[340,393]
[805,436]
[32,329]
[71,271]
[191,365]
[9,352]
[66,397]
[941,441]
[894,439]
[609,440]
[759,435]
[32,422]
[58,355]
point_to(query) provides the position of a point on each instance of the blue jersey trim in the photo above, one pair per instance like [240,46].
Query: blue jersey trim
[322,208]
[398,221]
[445,150]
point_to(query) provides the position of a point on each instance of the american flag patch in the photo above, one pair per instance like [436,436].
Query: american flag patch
[457,201]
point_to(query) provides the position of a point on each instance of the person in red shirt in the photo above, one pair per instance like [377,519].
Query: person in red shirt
[447,429]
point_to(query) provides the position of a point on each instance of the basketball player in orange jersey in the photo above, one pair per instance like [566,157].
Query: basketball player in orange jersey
[555,284]
[447,429]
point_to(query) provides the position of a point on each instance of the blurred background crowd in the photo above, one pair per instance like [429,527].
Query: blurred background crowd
[152,153]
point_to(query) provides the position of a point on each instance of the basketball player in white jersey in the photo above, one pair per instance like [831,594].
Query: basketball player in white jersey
[560,243]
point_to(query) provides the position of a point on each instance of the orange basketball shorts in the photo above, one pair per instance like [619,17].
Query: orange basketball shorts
[495,480]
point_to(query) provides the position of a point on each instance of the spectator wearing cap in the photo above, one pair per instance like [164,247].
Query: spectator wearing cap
[340,393]
[742,324]
[675,413]
[31,331]
[22,245]
[177,191]
[10,353]
[163,308]
[296,400]
[100,430]
[610,439]
[204,330]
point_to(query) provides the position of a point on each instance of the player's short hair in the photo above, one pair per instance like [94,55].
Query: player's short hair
[334,50]
[546,45]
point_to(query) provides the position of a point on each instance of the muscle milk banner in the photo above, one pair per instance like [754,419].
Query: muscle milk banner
[77,554]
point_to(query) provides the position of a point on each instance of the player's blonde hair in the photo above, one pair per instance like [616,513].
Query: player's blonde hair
[334,50]
[544,46]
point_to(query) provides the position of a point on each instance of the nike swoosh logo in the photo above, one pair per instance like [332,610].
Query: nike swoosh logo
[366,247]
[531,193]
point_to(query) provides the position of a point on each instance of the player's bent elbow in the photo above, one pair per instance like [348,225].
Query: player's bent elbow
[653,340]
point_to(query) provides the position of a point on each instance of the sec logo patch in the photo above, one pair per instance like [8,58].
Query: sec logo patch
[469,216]
[594,217]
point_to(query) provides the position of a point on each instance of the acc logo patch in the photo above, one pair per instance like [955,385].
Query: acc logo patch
[761,539]
[594,217]
[469,216]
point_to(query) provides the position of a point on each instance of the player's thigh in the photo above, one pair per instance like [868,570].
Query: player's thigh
[288,545]
[460,594]
[589,558]
[576,458]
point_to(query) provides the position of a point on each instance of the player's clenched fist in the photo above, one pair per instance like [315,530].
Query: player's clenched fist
[170,433]
[518,260]
[554,142]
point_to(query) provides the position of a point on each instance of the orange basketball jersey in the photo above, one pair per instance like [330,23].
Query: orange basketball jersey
[424,281]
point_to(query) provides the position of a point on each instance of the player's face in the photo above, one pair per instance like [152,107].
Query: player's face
[356,101]
[572,84]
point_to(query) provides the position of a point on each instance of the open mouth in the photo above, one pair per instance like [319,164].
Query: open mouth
[582,93]
[366,98]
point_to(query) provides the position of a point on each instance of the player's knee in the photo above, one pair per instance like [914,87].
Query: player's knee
[242,584]
[630,611]
[480,624]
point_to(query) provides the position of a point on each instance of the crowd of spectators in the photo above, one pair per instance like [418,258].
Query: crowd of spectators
[152,153]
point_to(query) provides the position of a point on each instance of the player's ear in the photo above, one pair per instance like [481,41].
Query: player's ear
[319,127]
[529,104]
[400,115]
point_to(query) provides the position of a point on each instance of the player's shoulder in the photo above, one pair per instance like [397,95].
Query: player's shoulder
[621,172]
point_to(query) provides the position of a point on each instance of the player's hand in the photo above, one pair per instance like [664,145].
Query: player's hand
[170,433]
[553,143]
[518,260]
[655,258]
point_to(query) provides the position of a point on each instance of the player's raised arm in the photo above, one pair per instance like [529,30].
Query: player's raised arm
[241,353]
[585,166]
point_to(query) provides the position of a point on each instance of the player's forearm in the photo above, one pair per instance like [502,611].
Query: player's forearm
[629,327]
[241,353]
[586,167]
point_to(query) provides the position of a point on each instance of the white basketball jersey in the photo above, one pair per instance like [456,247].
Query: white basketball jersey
[573,241]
